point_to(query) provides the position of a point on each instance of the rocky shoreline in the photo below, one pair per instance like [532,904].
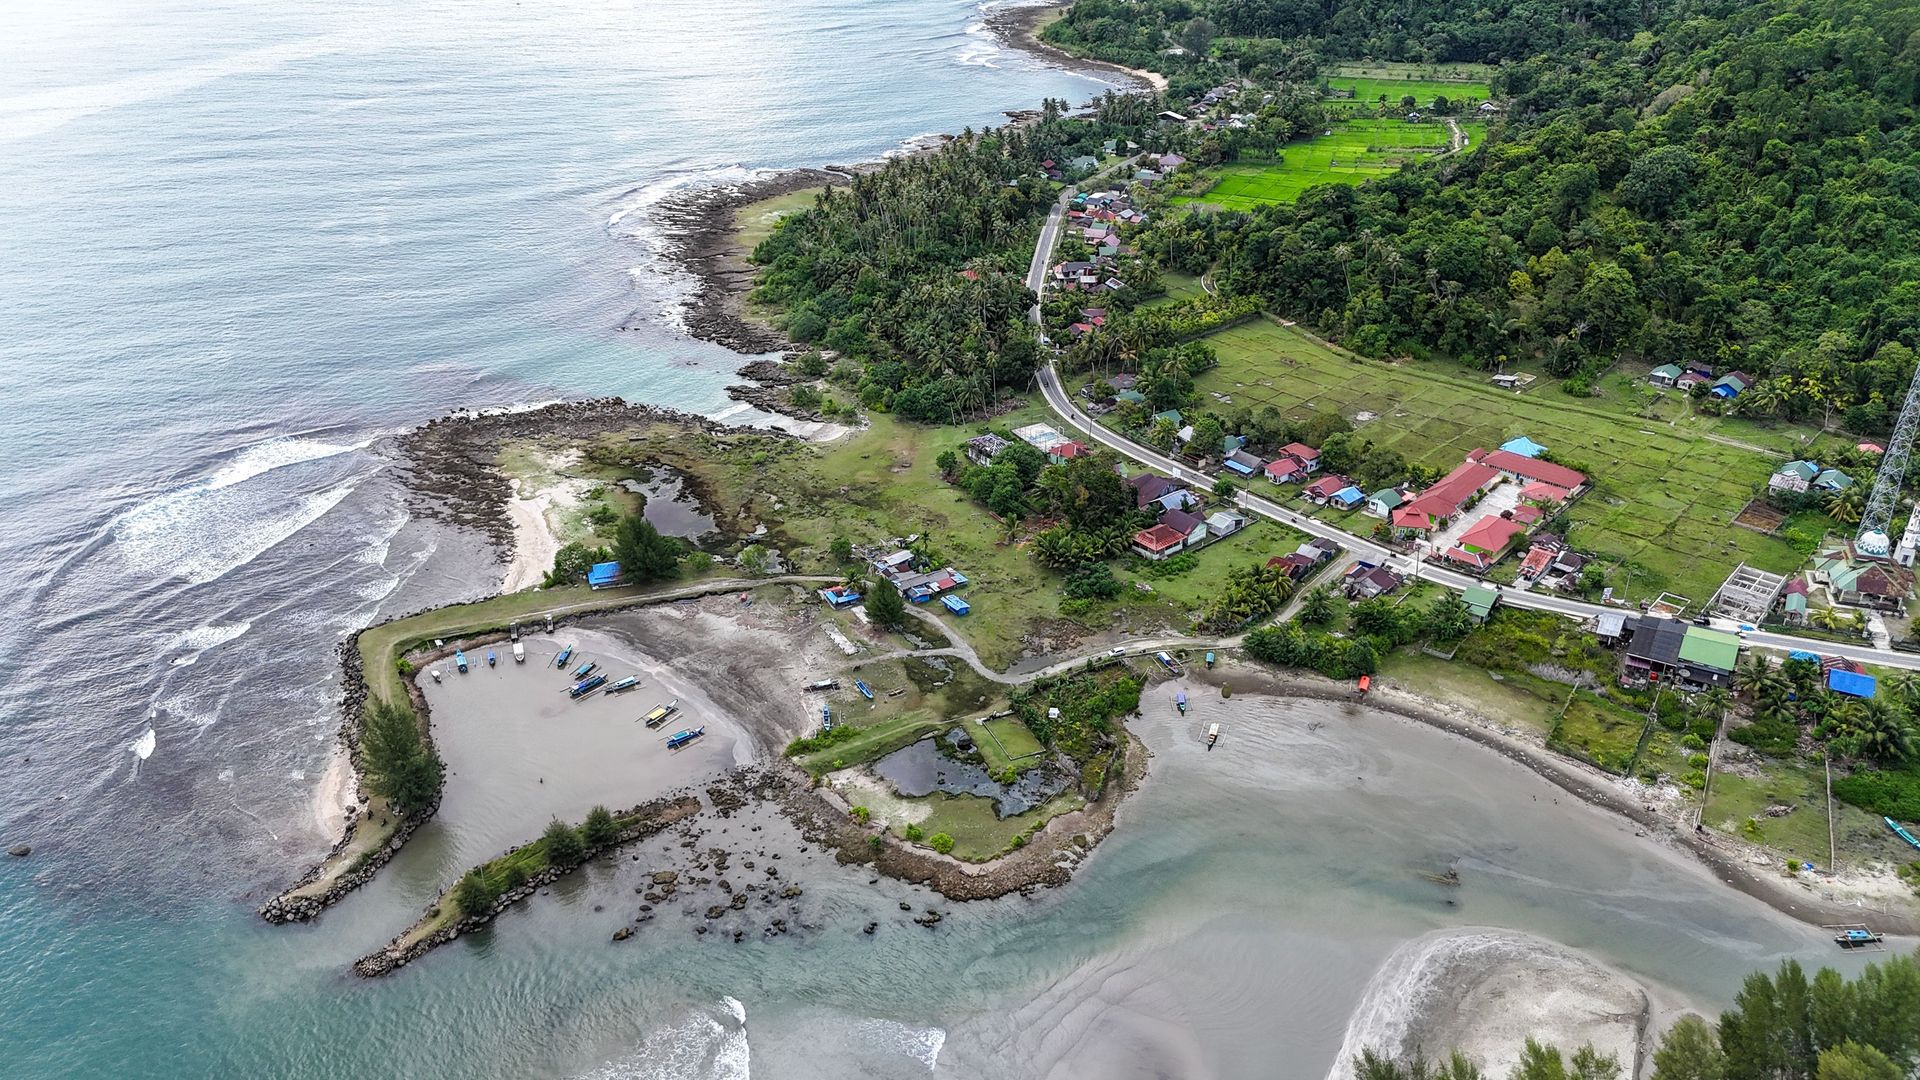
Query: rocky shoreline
[452,467]
[1019,28]
[655,816]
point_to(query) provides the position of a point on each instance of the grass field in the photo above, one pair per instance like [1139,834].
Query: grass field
[1356,151]
[1368,92]
[1663,497]
[756,220]
[1005,742]
[977,834]
[1400,70]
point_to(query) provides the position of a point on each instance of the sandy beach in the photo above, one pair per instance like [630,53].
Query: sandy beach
[336,794]
[535,542]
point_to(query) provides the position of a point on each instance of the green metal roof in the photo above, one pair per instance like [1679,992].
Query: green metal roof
[1834,479]
[1480,600]
[1710,648]
[1796,601]
[1805,470]
[1387,497]
[1671,371]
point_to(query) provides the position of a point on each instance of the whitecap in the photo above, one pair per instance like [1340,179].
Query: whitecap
[142,747]
[201,638]
[921,1044]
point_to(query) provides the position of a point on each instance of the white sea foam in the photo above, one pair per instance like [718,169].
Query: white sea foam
[201,533]
[650,195]
[201,638]
[142,747]
[921,1044]
[702,1047]
[275,454]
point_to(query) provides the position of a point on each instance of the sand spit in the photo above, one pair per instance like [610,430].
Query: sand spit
[1019,28]
[1484,991]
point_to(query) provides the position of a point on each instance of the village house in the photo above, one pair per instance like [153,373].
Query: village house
[919,588]
[1674,653]
[1244,463]
[1480,600]
[1793,602]
[1664,375]
[1347,498]
[1731,384]
[1832,480]
[1191,527]
[1691,379]
[1793,477]
[982,449]
[1152,491]
[839,596]
[1535,563]
[1067,451]
[1304,454]
[1295,565]
[1224,523]
[1383,503]
[1286,469]
[1158,542]
[1364,581]
[1324,489]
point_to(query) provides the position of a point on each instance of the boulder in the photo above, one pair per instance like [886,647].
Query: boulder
[623,933]
[20,851]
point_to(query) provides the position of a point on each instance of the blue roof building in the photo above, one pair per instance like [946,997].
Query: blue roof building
[1349,497]
[1850,683]
[1523,446]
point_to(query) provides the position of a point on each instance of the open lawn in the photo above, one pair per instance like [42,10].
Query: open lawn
[756,220]
[1005,742]
[1737,797]
[1664,495]
[1357,150]
[1400,71]
[977,834]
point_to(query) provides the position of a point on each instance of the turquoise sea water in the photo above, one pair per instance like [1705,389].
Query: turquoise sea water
[242,243]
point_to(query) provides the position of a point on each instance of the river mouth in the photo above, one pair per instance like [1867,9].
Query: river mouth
[939,764]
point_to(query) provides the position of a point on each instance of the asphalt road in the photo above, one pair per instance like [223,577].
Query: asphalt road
[1062,403]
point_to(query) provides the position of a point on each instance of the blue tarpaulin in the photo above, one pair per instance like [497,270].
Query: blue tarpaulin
[1802,654]
[1850,683]
[604,575]
[1523,446]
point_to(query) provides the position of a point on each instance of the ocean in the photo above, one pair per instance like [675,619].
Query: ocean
[244,245]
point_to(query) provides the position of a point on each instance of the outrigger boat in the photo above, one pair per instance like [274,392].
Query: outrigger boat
[490,658]
[1900,831]
[584,670]
[460,661]
[587,686]
[1180,702]
[826,719]
[1209,659]
[627,683]
[660,713]
[865,690]
[561,660]
[1213,735]
[1168,662]
[681,738]
[1856,939]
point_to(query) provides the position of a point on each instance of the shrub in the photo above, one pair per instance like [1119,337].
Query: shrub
[564,847]
[841,733]
[473,896]
[404,666]
[1769,735]
[860,814]
[913,832]
[1895,793]
[875,842]
[1695,780]
[941,843]
[841,549]
[1094,581]
[599,829]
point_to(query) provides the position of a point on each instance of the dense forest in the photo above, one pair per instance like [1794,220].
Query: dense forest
[1710,182]
[915,270]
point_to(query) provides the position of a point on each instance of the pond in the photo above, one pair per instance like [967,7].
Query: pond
[923,768]
[669,507]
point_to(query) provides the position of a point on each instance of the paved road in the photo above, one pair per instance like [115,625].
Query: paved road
[1062,403]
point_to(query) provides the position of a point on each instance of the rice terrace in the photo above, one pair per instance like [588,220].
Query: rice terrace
[1352,152]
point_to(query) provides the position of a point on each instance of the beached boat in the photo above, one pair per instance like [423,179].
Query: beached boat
[1167,661]
[1900,831]
[490,658]
[584,670]
[826,719]
[561,660]
[460,661]
[1209,659]
[1180,702]
[823,684]
[681,738]
[1856,938]
[587,686]
[627,683]
[1213,735]
[660,713]
[519,652]
[865,690]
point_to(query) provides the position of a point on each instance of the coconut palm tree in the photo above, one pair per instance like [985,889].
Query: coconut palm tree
[1846,505]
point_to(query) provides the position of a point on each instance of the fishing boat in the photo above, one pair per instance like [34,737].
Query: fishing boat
[627,683]
[1209,659]
[1901,832]
[519,652]
[1856,938]
[584,670]
[490,658]
[1167,661]
[681,738]
[587,686]
[660,713]
[865,690]
[435,672]
[1180,702]
[460,661]
[1213,735]
[823,684]
[826,719]
[561,660]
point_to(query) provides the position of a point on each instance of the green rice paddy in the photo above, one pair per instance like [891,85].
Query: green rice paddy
[1354,151]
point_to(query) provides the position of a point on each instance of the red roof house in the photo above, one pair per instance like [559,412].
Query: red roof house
[1536,562]
[1159,541]
[1302,451]
[1322,489]
[1525,468]
[1285,470]
[1542,492]
[1445,498]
